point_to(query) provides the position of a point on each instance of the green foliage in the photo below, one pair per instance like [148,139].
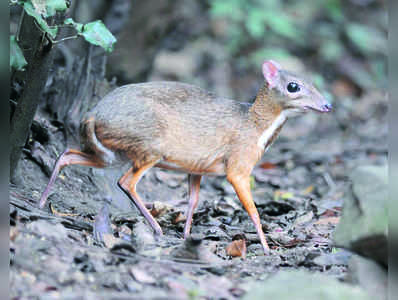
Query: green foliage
[256,17]
[17,59]
[253,20]
[367,39]
[326,31]
[30,10]
[54,6]
[95,33]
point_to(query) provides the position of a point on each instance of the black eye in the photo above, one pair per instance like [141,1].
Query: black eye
[293,87]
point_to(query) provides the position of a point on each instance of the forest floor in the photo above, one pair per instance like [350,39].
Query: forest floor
[72,250]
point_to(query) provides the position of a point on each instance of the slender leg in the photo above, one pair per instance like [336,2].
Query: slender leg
[242,189]
[69,157]
[128,184]
[194,186]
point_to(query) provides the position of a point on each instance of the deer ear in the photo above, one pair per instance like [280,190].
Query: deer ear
[271,72]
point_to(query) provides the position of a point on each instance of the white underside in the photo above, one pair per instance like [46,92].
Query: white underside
[269,132]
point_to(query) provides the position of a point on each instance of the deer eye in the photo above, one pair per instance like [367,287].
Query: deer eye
[293,87]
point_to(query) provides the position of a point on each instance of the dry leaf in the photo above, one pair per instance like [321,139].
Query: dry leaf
[308,190]
[159,209]
[142,276]
[237,248]
[57,213]
[179,218]
[109,240]
[329,220]
[13,233]
[267,166]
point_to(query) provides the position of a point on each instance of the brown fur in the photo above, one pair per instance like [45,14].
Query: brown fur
[181,124]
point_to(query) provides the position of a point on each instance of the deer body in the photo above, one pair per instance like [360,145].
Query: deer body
[181,127]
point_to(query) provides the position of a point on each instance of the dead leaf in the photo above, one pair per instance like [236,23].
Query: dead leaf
[109,240]
[124,229]
[13,233]
[237,248]
[308,190]
[329,220]
[304,218]
[180,217]
[267,165]
[142,276]
[60,214]
[159,209]
[331,212]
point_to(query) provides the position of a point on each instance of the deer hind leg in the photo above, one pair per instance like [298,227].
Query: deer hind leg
[128,183]
[70,157]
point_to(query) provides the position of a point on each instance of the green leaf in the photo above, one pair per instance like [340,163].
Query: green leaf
[40,6]
[367,39]
[78,26]
[283,26]
[335,10]
[96,33]
[31,11]
[255,24]
[54,6]
[331,50]
[17,59]
[48,8]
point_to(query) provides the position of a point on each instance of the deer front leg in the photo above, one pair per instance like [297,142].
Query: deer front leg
[242,189]
[194,186]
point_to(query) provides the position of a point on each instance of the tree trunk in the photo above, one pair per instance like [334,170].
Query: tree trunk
[40,59]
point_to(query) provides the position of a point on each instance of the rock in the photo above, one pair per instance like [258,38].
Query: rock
[193,249]
[48,229]
[363,225]
[339,258]
[143,235]
[302,285]
[369,275]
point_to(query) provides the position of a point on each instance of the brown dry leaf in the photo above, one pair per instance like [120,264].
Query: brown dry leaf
[13,233]
[308,190]
[60,214]
[159,209]
[331,212]
[180,217]
[237,249]
[267,165]
[329,220]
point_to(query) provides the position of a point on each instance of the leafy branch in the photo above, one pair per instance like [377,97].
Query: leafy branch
[95,32]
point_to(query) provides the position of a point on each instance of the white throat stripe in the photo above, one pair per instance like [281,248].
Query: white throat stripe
[269,132]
